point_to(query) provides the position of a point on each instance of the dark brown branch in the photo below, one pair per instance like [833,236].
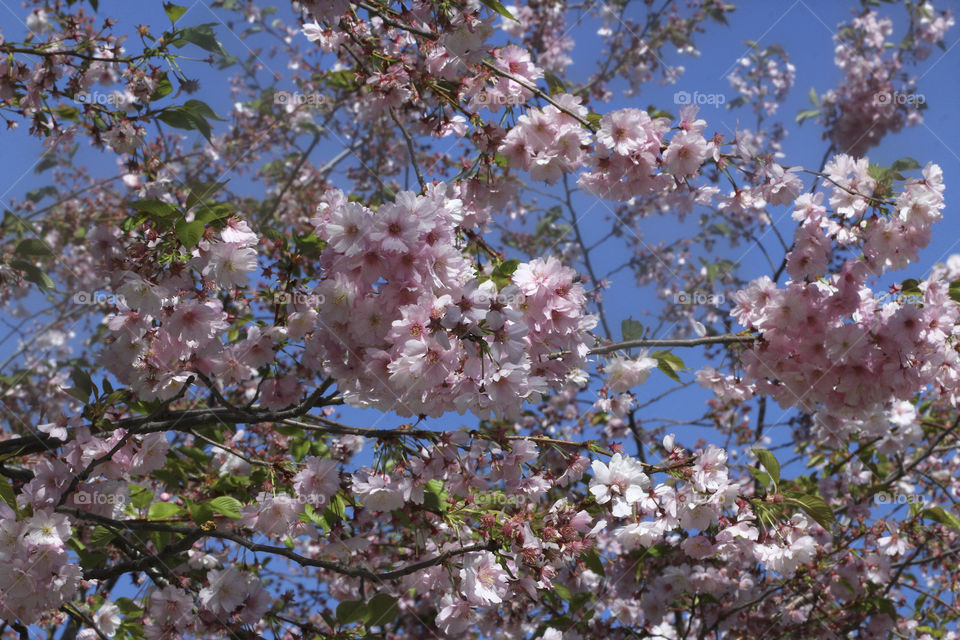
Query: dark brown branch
[175,421]
[192,534]
[669,342]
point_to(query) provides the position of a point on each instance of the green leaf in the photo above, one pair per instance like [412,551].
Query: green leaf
[203,36]
[383,609]
[669,363]
[667,369]
[816,508]
[721,229]
[201,513]
[210,213]
[953,291]
[128,607]
[7,494]
[435,496]
[631,329]
[173,11]
[201,109]
[33,247]
[806,114]
[555,84]
[579,600]
[884,605]
[499,8]
[910,287]
[133,222]
[562,591]
[814,98]
[164,88]
[163,510]
[672,358]
[81,380]
[36,195]
[299,448]
[226,506]
[508,267]
[140,497]
[941,515]
[78,394]
[560,622]
[310,515]
[717,14]
[502,273]
[190,233]
[655,113]
[100,537]
[203,191]
[182,118]
[762,477]
[592,560]
[337,507]
[33,273]
[351,611]
[67,113]
[48,162]
[342,79]
[769,462]
[906,164]
[157,208]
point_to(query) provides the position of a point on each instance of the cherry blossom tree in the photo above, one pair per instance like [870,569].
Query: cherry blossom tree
[340,363]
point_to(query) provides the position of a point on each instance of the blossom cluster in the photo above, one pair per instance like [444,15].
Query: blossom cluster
[625,160]
[872,100]
[37,573]
[549,142]
[764,79]
[505,91]
[408,324]
[829,344]
[162,327]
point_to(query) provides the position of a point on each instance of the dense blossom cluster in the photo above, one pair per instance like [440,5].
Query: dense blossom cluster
[624,162]
[505,91]
[161,330]
[408,324]
[548,143]
[829,342]
[36,572]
